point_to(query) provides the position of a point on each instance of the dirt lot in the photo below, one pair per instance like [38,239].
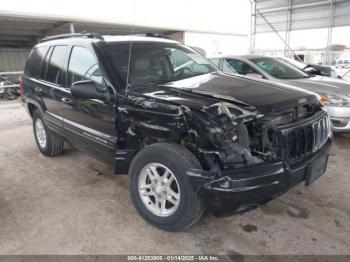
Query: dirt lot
[61,206]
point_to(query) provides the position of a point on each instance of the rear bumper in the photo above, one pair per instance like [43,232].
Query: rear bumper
[240,190]
[340,118]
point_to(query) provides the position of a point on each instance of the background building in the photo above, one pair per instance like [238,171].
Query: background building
[219,28]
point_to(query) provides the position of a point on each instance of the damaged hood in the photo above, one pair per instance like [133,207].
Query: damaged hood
[246,94]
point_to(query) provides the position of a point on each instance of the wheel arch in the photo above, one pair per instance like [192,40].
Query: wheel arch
[31,109]
[33,105]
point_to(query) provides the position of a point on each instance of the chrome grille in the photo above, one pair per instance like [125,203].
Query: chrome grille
[306,139]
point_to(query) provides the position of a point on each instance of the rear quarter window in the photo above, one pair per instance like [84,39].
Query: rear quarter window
[35,61]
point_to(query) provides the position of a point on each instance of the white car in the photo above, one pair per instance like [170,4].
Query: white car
[342,63]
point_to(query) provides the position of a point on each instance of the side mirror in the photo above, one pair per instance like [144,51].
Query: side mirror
[86,89]
[254,75]
[312,70]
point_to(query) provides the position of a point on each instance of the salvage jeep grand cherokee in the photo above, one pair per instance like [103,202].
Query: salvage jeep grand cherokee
[189,136]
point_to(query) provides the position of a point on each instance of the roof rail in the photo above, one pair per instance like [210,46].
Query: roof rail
[63,36]
[154,35]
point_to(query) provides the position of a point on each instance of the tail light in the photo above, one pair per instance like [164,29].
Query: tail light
[21,87]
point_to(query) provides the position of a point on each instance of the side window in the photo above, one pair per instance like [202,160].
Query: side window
[241,67]
[46,62]
[55,68]
[84,66]
[35,61]
[226,68]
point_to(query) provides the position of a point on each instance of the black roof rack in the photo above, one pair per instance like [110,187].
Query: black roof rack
[155,35]
[82,34]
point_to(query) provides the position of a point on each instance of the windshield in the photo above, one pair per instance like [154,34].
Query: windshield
[292,62]
[155,63]
[278,68]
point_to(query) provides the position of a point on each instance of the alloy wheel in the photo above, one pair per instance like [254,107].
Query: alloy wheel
[159,189]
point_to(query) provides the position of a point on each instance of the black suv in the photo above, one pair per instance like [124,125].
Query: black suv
[189,136]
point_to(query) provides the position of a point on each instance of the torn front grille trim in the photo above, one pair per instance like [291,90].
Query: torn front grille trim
[306,139]
[320,132]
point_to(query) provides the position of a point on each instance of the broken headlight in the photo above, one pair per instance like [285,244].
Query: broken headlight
[225,137]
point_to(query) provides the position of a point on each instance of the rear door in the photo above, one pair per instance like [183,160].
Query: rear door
[51,86]
[89,124]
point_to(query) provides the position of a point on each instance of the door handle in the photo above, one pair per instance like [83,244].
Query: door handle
[38,89]
[66,100]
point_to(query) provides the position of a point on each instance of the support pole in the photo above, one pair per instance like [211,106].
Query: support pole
[71,28]
[288,28]
[252,26]
[330,32]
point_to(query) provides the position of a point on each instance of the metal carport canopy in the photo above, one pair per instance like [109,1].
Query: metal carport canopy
[284,15]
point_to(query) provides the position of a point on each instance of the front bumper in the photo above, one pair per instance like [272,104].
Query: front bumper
[240,190]
[340,118]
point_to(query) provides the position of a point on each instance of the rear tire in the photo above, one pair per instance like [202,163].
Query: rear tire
[49,143]
[182,207]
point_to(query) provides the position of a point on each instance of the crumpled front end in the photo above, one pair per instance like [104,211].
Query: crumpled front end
[249,159]
[248,155]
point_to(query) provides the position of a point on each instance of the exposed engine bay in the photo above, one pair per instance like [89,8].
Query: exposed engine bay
[250,140]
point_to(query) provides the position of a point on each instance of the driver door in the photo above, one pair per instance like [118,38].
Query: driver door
[89,124]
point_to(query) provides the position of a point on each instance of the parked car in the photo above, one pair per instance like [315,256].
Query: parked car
[334,93]
[311,69]
[342,63]
[189,137]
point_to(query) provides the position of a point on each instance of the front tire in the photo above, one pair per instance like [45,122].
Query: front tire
[49,143]
[159,188]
